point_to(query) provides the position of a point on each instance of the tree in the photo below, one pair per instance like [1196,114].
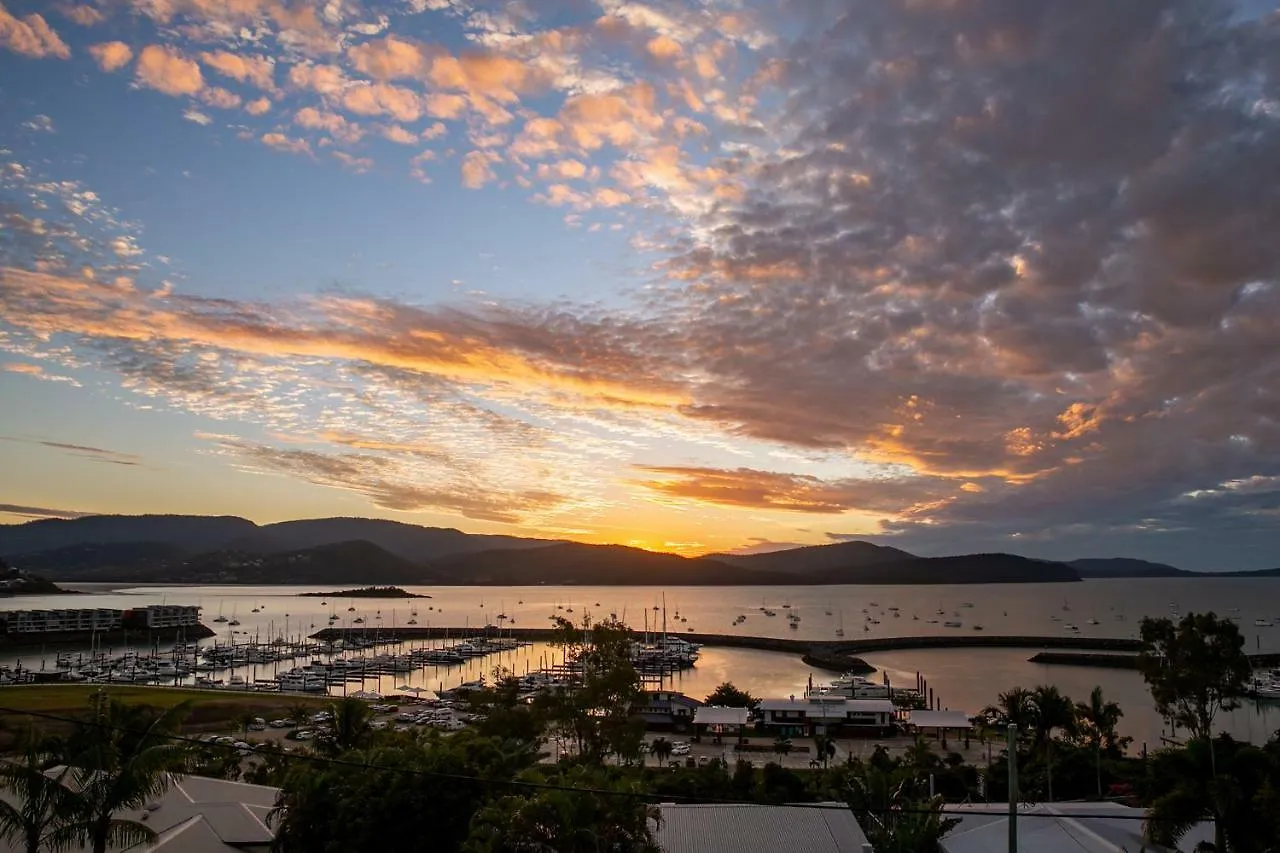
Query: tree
[598,710]
[300,712]
[1053,711]
[37,819]
[1097,720]
[893,813]
[246,720]
[122,757]
[1013,708]
[1194,669]
[729,696]
[782,746]
[661,749]
[1241,800]
[566,821]
[350,724]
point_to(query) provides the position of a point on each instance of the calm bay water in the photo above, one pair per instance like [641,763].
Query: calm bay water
[963,678]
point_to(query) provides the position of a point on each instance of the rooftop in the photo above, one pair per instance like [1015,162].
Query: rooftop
[940,720]
[717,715]
[1060,828]
[828,703]
[758,829]
[199,815]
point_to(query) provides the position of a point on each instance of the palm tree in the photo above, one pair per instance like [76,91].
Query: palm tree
[1053,711]
[1017,708]
[351,718]
[122,758]
[300,712]
[246,719]
[661,749]
[781,746]
[826,748]
[1099,718]
[37,819]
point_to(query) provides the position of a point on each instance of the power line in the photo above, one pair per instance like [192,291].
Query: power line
[655,799]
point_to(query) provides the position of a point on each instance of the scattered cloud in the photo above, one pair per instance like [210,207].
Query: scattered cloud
[168,71]
[111,55]
[31,36]
[246,69]
[258,106]
[39,511]
[280,142]
[358,165]
[97,454]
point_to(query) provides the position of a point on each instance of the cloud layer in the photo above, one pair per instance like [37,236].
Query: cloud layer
[996,274]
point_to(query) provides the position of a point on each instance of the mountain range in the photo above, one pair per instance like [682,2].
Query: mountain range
[228,549]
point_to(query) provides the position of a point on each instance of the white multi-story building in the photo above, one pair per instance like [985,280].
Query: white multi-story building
[825,715]
[170,615]
[64,619]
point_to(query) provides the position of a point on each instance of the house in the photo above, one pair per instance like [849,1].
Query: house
[198,815]
[825,715]
[711,828]
[718,721]
[1102,827]
[667,709]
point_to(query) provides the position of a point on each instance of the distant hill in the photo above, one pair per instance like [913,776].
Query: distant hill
[816,558]
[327,564]
[963,569]
[602,565]
[194,533]
[1259,573]
[409,541]
[113,561]
[18,582]
[1124,567]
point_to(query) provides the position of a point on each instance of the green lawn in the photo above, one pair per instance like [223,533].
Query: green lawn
[210,709]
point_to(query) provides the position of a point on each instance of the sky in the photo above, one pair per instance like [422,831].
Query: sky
[948,275]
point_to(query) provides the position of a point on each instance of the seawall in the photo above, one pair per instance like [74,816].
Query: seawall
[833,655]
[136,636]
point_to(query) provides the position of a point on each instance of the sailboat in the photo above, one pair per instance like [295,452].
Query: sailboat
[840,630]
[219,617]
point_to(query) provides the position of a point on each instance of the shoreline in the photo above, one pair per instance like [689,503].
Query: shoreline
[42,639]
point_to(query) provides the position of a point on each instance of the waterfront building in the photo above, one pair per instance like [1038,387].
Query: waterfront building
[713,828]
[718,721]
[169,615]
[62,619]
[824,715]
[667,709]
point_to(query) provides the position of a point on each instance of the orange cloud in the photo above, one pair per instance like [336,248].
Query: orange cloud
[397,134]
[247,69]
[321,79]
[458,348]
[359,165]
[336,125]
[168,71]
[567,169]
[280,142]
[111,55]
[476,171]
[442,105]
[622,118]
[664,48]
[31,36]
[388,58]
[216,96]
[258,107]
[483,75]
[85,16]
[383,99]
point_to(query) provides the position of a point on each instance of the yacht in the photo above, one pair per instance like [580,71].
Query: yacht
[951,624]
[357,621]
[1263,623]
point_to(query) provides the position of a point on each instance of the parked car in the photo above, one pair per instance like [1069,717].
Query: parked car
[679,748]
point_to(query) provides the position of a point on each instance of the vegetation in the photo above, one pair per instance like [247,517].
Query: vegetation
[729,696]
[1195,668]
[492,788]
[367,592]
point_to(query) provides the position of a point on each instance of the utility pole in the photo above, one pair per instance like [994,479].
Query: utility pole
[1013,789]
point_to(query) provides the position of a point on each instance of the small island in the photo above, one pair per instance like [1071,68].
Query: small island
[15,581]
[367,592]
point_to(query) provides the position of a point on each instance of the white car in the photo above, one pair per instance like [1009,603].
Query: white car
[679,748]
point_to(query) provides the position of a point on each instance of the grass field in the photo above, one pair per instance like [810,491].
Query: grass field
[210,709]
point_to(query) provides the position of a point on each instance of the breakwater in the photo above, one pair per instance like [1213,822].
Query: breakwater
[1106,660]
[832,655]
